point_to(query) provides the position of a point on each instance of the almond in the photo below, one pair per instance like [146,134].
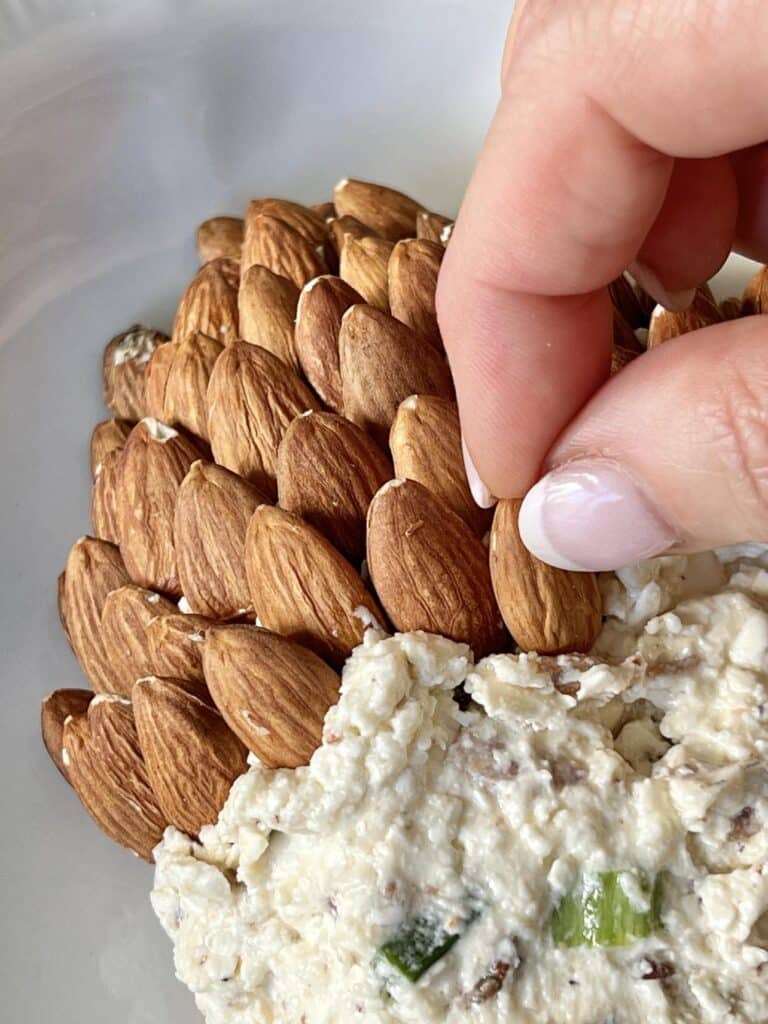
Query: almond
[730,308]
[103,759]
[271,243]
[302,219]
[413,269]
[107,436]
[324,210]
[701,313]
[383,362]
[54,711]
[104,498]
[61,602]
[328,469]
[267,304]
[272,693]
[209,303]
[125,617]
[547,610]
[155,460]
[425,441]
[626,303]
[322,304]
[620,357]
[389,213]
[220,238]
[176,645]
[303,588]
[252,397]
[340,227]
[191,755]
[94,569]
[124,368]
[156,381]
[431,225]
[755,299]
[363,265]
[213,509]
[185,402]
[428,568]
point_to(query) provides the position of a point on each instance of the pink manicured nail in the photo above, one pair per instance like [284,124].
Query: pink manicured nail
[480,492]
[676,302]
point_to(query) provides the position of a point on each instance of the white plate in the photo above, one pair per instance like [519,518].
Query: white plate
[123,125]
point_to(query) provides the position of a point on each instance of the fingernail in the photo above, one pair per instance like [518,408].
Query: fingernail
[675,302]
[591,515]
[479,491]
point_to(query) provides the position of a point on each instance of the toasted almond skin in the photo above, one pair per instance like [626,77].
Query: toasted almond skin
[429,570]
[94,569]
[755,298]
[107,771]
[425,441]
[153,463]
[302,219]
[626,302]
[328,469]
[322,304]
[412,274]
[303,588]
[363,265]
[125,617]
[192,757]
[156,380]
[252,397]
[54,711]
[124,368]
[547,610]
[209,303]
[701,313]
[383,362]
[213,509]
[104,498]
[185,402]
[730,308]
[621,357]
[431,225]
[386,211]
[107,436]
[274,244]
[272,693]
[176,646]
[267,305]
[220,238]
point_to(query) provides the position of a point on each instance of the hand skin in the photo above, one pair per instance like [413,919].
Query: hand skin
[629,134]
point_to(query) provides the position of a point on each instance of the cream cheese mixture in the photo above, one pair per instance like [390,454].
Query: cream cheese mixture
[586,843]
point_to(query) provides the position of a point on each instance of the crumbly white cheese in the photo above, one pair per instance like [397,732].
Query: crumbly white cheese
[651,754]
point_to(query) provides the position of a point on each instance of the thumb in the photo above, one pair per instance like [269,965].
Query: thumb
[671,455]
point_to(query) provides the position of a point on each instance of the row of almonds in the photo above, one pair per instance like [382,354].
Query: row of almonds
[291,457]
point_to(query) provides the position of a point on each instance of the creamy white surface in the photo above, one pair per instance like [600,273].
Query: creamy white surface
[276,915]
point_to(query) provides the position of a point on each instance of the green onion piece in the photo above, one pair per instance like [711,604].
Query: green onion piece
[598,911]
[419,943]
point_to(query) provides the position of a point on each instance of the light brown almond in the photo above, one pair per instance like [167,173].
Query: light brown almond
[425,441]
[272,243]
[328,469]
[54,711]
[252,397]
[191,755]
[322,304]
[302,219]
[386,211]
[105,766]
[363,265]
[272,693]
[267,304]
[303,588]
[61,603]
[213,509]
[340,227]
[185,401]
[324,210]
[755,298]
[124,368]
[104,498]
[431,225]
[107,436]
[621,357]
[156,382]
[220,238]
[383,362]
[429,570]
[153,463]
[664,325]
[547,610]
[125,617]
[413,269]
[626,302]
[176,646]
[209,303]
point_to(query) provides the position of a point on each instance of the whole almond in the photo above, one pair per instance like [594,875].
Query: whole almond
[386,211]
[191,755]
[429,570]
[124,368]
[104,498]
[413,269]
[125,618]
[272,693]
[107,436]
[665,325]
[431,225]
[94,569]
[252,397]
[322,304]
[54,711]
[548,610]
[220,237]
[105,766]
[363,265]
[340,227]
[625,301]
[176,645]
[383,362]
[324,210]
[185,402]
[302,219]
[156,382]
[303,588]
[425,441]
[213,509]
[272,243]
[153,463]
[267,305]
[328,469]
[755,299]
[209,303]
